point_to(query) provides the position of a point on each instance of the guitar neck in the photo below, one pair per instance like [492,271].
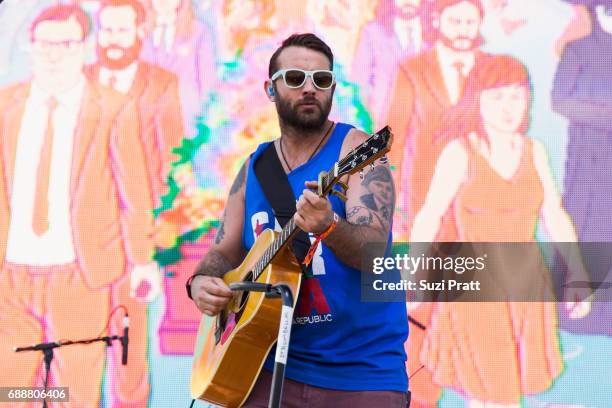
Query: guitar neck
[279,243]
[374,147]
[289,230]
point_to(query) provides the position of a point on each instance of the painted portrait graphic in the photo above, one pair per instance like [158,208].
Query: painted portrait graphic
[123,124]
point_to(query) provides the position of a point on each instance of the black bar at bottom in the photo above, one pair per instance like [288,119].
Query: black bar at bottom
[276,393]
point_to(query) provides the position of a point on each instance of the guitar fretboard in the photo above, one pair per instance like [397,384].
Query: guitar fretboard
[376,146]
[287,233]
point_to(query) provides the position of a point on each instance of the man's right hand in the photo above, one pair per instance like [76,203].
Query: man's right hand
[210,294]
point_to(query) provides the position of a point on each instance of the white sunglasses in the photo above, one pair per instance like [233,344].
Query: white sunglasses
[296,78]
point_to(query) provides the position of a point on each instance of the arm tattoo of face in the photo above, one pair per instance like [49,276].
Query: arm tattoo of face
[239,181]
[381,192]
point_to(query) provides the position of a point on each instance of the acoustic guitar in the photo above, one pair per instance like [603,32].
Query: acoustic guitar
[228,358]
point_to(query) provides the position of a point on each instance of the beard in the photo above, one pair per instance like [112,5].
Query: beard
[309,119]
[130,54]
[453,43]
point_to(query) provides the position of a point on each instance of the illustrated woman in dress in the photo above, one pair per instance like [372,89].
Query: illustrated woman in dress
[498,182]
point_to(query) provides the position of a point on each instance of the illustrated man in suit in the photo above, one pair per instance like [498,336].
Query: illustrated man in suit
[426,88]
[394,35]
[153,93]
[582,92]
[182,44]
[73,221]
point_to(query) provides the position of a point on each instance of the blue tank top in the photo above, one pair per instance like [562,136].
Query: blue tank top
[337,341]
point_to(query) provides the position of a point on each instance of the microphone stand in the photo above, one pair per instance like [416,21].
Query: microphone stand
[284,331]
[47,349]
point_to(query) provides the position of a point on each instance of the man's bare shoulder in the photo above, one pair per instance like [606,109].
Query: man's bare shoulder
[355,137]
[239,184]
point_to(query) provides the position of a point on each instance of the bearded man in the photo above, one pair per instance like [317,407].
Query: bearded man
[426,89]
[153,93]
[343,352]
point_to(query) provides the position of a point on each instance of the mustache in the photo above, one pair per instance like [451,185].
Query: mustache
[308,101]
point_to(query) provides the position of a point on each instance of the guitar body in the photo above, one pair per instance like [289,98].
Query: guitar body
[229,355]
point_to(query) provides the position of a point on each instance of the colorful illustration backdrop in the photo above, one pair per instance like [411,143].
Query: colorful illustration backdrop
[165,100]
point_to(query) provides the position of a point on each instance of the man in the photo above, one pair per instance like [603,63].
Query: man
[343,352]
[426,88]
[67,205]
[152,89]
[182,44]
[582,93]
[153,93]
[394,35]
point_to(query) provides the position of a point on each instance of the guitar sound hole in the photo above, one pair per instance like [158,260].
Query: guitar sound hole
[244,296]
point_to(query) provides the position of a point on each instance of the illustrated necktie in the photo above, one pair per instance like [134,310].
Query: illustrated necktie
[112,81]
[461,78]
[40,219]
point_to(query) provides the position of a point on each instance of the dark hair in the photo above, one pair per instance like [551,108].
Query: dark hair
[134,4]
[62,12]
[378,173]
[306,40]
[491,72]
[435,8]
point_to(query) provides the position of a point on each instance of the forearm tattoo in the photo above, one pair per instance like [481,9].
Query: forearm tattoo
[239,180]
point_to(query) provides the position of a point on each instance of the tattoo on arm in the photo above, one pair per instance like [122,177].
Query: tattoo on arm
[213,264]
[381,192]
[239,181]
[363,216]
[220,233]
[367,223]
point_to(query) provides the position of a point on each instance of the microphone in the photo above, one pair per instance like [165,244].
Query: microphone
[124,339]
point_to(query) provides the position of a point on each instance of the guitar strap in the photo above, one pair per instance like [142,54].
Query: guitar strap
[278,191]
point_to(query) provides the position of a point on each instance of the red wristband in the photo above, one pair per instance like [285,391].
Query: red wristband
[320,238]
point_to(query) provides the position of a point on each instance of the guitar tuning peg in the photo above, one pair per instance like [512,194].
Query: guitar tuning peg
[372,166]
[384,160]
[361,174]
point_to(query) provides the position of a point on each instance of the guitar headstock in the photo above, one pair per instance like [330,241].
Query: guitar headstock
[374,148]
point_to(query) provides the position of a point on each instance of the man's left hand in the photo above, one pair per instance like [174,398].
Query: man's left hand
[146,274]
[313,213]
